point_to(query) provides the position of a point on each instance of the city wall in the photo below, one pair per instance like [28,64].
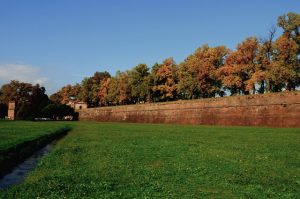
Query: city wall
[276,110]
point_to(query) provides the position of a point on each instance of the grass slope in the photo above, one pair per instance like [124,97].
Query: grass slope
[110,160]
[13,133]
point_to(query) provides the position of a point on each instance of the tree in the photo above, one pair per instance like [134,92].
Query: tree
[3,110]
[139,81]
[165,80]
[198,73]
[86,94]
[239,66]
[90,87]
[56,98]
[264,59]
[290,23]
[285,69]
[124,88]
[97,79]
[103,91]
[29,99]
[111,97]
[66,94]
[58,112]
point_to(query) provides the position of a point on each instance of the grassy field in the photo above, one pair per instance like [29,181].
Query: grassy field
[13,133]
[110,160]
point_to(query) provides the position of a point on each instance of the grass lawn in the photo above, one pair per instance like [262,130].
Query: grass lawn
[13,133]
[113,160]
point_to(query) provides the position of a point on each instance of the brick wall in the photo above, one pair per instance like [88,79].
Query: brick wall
[278,110]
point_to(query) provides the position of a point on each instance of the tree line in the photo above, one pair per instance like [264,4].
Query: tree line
[255,66]
[31,102]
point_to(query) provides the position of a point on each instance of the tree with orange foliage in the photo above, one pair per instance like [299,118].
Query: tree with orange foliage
[264,58]
[103,91]
[290,24]
[165,80]
[285,69]
[239,66]
[66,94]
[197,74]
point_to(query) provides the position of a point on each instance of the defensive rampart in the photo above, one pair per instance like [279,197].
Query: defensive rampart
[277,109]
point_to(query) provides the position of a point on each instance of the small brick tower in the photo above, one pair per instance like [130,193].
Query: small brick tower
[11,110]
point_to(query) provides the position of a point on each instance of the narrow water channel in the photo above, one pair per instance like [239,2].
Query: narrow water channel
[19,173]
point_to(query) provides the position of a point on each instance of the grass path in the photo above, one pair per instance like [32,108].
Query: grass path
[111,160]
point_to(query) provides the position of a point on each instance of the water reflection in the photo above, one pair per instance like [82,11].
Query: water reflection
[19,173]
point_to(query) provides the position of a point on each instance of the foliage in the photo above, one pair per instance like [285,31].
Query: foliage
[3,110]
[58,112]
[239,67]
[87,91]
[29,99]
[165,81]
[198,73]
[255,66]
[139,81]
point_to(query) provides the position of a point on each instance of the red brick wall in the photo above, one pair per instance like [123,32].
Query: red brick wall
[279,110]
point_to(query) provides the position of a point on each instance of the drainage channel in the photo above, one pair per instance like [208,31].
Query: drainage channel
[19,173]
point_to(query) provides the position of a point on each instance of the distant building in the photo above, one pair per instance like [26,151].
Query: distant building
[77,105]
[80,105]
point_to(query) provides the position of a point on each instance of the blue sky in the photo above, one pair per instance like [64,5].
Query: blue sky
[57,42]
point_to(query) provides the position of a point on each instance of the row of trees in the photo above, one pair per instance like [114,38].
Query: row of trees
[30,99]
[256,66]
[31,102]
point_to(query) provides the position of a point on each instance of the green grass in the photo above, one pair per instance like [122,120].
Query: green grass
[112,160]
[13,133]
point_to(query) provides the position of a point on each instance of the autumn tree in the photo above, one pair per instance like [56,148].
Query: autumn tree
[261,77]
[239,67]
[290,23]
[198,73]
[103,91]
[67,94]
[64,95]
[165,80]
[285,69]
[286,44]
[56,98]
[97,79]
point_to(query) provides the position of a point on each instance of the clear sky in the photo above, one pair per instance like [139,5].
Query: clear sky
[57,42]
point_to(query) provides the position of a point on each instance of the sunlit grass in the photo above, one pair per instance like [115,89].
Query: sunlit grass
[13,133]
[113,160]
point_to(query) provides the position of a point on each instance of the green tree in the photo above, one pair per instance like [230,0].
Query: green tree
[58,111]
[139,83]
[29,99]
